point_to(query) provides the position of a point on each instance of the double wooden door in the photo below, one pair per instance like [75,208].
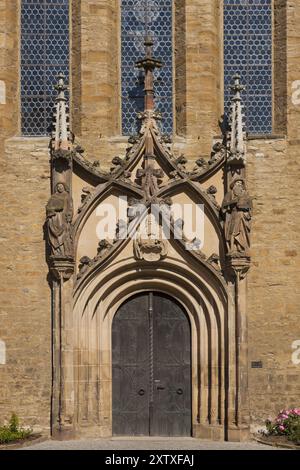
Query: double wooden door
[151,368]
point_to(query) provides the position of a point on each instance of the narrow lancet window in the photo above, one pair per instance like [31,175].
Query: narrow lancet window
[44,55]
[248,51]
[140,18]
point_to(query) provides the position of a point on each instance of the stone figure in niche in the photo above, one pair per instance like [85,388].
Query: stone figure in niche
[148,244]
[151,178]
[59,212]
[236,209]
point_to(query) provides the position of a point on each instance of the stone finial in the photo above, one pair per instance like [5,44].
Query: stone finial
[237,150]
[61,134]
[149,64]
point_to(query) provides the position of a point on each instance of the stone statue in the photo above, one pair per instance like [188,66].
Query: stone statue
[59,212]
[104,247]
[85,263]
[201,165]
[236,209]
[150,177]
[181,161]
[211,192]
[118,163]
[218,152]
[86,196]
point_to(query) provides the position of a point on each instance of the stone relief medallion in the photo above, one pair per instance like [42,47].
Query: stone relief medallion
[150,250]
[149,245]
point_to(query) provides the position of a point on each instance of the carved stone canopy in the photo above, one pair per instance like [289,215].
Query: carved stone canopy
[150,172]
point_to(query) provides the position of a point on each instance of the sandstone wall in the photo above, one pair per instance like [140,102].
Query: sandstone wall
[25,303]
[9,20]
[273,282]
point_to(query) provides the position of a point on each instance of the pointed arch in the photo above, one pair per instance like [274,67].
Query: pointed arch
[206,304]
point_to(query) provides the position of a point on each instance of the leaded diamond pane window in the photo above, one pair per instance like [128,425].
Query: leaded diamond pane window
[248,50]
[44,54]
[140,17]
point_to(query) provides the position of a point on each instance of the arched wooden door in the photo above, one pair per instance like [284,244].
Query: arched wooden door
[151,367]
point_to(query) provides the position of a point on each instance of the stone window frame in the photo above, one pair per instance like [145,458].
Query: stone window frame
[279,69]
[46,94]
[174,68]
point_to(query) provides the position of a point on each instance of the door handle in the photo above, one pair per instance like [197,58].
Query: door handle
[179,391]
[141,392]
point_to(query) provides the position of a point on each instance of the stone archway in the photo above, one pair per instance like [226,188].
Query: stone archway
[205,273]
[151,367]
[206,307]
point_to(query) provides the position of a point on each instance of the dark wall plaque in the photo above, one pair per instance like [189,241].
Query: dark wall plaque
[256,365]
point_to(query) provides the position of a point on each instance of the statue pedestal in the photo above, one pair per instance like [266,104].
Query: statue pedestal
[62,267]
[237,264]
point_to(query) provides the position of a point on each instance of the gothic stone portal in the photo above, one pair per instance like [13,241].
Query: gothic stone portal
[151,361]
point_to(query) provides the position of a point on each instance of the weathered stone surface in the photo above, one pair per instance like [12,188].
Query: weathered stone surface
[273,293]
[24,291]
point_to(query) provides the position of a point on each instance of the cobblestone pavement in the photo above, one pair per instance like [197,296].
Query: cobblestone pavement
[146,444]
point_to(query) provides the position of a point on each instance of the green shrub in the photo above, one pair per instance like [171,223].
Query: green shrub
[295,433]
[13,431]
[14,423]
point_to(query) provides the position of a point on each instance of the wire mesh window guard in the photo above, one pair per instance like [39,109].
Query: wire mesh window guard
[248,51]
[140,17]
[44,54]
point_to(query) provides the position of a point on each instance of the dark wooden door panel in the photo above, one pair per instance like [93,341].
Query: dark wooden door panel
[130,364]
[172,382]
[151,368]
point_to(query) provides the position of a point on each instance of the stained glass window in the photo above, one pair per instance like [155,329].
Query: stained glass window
[248,50]
[44,54]
[141,17]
